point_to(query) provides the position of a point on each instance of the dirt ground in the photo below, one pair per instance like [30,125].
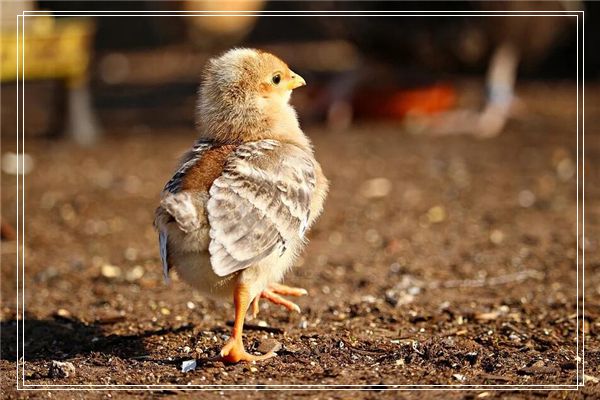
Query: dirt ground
[458,267]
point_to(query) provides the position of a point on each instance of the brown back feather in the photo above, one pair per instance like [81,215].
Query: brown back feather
[201,175]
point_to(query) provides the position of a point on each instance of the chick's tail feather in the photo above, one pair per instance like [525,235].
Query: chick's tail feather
[162,243]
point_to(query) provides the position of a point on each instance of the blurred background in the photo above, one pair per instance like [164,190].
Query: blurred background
[93,74]
[448,240]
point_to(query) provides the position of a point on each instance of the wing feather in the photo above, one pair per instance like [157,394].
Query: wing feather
[162,245]
[178,205]
[260,202]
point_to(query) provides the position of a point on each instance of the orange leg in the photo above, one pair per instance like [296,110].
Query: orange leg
[273,292]
[234,351]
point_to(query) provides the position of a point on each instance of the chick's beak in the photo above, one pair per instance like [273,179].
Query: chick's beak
[296,81]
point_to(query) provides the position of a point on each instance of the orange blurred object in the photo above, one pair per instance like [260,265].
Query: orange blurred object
[399,103]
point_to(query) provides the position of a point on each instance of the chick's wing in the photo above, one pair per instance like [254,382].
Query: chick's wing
[259,204]
[182,207]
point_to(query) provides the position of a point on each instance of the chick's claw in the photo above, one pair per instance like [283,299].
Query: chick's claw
[255,306]
[273,294]
[234,352]
[287,290]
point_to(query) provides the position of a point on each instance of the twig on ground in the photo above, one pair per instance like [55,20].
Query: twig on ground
[485,282]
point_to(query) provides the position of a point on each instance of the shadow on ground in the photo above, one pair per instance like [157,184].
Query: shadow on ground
[64,338]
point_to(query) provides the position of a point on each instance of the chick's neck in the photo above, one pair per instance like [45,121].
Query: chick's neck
[249,119]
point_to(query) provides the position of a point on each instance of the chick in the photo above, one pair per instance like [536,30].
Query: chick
[234,215]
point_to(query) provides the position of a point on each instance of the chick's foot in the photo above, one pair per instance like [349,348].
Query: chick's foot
[273,294]
[234,352]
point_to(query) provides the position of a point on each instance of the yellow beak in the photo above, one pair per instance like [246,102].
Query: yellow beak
[296,81]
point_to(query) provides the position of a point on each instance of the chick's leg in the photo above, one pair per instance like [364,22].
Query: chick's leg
[273,294]
[234,351]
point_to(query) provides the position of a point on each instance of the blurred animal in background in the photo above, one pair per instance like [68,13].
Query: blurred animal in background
[53,49]
[235,214]
[409,46]
[222,31]
[517,40]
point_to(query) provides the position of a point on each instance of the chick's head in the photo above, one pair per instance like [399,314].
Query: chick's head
[243,75]
[244,96]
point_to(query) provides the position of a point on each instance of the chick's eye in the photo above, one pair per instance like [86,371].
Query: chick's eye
[276,79]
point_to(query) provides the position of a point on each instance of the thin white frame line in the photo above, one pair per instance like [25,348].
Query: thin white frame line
[190,387]
[577,206]
[364,388]
[257,385]
[23,294]
[254,385]
[21,158]
[583,191]
[309,15]
[18,227]
[369,12]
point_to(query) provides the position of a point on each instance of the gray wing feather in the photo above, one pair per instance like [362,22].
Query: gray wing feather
[260,202]
[181,207]
[178,204]
[162,244]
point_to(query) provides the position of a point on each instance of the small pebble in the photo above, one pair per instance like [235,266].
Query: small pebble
[131,254]
[459,377]
[414,290]
[188,365]
[165,311]
[565,169]
[135,273]
[60,369]
[538,364]
[376,188]
[110,271]
[373,237]
[486,316]
[12,166]
[268,345]
[335,238]
[369,299]
[436,214]
[526,198]
[496,236]
[63,313]
[67,212]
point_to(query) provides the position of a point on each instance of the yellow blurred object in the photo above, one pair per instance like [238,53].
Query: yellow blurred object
[224,25]
[53,49]
[210,31]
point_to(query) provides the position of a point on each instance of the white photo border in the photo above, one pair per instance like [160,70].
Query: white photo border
[580,358]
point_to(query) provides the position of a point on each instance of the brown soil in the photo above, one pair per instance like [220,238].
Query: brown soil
[457,276]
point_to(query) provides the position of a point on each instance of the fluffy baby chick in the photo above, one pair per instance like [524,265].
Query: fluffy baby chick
[235,214]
